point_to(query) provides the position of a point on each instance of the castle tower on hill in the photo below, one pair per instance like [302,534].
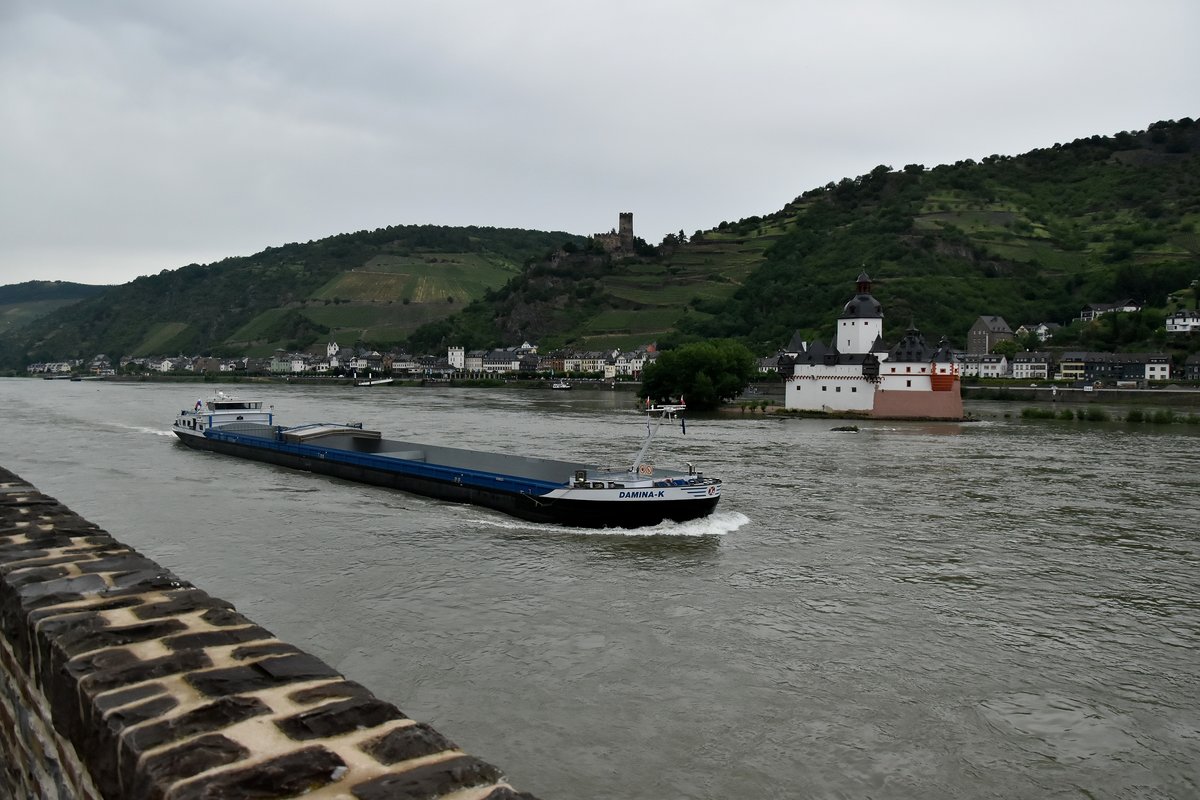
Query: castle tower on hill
[625,229]
[619,240]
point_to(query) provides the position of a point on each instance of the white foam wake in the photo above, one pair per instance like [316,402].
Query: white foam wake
[120,426]
[713,525]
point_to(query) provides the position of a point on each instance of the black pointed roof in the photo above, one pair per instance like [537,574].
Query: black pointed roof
[863,305]
[912,347]
[797,344]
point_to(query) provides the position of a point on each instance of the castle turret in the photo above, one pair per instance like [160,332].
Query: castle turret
[861,322]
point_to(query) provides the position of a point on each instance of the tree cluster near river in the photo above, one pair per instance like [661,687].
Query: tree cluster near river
[704,375]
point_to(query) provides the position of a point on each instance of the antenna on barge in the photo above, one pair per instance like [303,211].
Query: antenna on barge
[664,411]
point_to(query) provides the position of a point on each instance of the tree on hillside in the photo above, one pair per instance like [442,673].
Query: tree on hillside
[1028,340]
[705,374]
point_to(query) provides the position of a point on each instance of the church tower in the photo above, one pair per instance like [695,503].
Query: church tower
[861,322]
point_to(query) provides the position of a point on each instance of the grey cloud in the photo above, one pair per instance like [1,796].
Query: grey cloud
[148,135]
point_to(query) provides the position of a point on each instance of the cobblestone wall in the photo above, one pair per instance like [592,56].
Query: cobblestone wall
[119,680]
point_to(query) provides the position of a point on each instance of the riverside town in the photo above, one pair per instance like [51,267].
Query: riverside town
[855,373]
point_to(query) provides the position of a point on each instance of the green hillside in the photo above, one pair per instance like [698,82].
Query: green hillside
[22,303]
[375,286]
[1032,238]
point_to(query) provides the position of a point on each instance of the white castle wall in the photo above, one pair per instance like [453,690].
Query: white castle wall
[821,388]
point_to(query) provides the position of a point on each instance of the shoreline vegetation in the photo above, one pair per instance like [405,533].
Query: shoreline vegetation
[1161,416]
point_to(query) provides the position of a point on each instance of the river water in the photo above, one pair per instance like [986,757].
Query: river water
[999,609]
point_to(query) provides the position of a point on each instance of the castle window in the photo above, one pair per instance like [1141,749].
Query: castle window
[908,383]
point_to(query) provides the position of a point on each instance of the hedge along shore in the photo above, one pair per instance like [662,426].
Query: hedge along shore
[118,680]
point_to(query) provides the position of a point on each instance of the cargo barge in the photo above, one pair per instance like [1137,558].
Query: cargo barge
[530,488]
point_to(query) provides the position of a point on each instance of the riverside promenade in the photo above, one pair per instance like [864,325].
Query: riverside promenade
[122,681]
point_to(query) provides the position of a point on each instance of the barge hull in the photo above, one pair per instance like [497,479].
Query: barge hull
[523,505]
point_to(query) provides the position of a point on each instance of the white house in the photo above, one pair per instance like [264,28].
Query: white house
[1032,364]
[405,362]
[1043,330]
[629,363]
[1184,321]
[474,361]
[501,361]
[993,366]
[1093,310]
[585,362]
[1158,367]
[173,364]
[50,367]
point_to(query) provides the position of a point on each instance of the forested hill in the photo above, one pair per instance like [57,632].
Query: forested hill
[22,303]
[371,285]
[34,291]
[1032,238]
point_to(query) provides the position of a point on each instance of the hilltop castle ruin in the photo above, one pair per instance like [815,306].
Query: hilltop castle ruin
[619,240]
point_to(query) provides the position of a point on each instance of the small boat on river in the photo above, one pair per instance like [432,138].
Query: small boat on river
[535,489]
[562,384]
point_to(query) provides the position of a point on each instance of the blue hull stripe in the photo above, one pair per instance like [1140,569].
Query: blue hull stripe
[492,481]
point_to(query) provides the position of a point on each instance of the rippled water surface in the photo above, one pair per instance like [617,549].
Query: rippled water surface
[1002,609]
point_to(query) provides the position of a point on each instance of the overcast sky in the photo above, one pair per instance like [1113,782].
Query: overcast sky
[142,136]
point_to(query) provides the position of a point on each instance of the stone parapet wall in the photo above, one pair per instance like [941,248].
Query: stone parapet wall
[119,680]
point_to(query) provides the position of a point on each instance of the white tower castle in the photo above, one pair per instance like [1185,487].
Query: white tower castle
[861,324]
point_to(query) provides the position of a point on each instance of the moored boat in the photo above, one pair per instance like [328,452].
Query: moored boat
[370,380]
[562,384]
[535,489]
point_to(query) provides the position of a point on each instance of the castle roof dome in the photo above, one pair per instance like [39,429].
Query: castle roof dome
[863,305]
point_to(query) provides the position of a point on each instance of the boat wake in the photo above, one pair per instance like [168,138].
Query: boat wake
[142,429]
[713,525]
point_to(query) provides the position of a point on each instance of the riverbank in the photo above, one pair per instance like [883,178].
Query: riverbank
[1171,395]
[760,398]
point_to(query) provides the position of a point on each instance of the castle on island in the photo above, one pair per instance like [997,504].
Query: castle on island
[857,373]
